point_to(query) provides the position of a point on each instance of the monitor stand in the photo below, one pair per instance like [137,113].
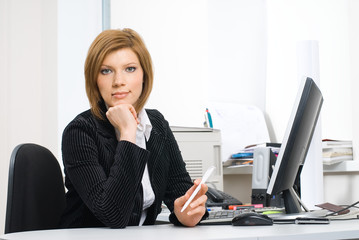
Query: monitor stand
[292,202]
[293,209]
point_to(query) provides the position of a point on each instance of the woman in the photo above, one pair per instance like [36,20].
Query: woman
[121,161]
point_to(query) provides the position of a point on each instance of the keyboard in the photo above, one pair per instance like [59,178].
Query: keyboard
[225,216]
[222,217]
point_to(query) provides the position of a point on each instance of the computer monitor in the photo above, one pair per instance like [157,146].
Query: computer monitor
[295,145]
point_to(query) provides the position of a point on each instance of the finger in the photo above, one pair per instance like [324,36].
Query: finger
[201,200]
[197,181]
[181,201]
[204,188]
[200,210]
[109,112]
[134,113]
[202,191]
[190,191]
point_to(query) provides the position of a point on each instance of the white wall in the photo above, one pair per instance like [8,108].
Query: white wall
[237,36]
[28,70]
[43,45]
[178,46]
[345,184]
[79,22]
[203,51]
[353,22]
[325,21]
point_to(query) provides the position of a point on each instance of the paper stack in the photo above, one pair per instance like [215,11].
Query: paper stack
[335,151]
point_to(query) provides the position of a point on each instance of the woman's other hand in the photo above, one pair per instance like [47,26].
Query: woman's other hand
[196,209]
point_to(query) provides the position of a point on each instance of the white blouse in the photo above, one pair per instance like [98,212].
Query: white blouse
[142,134]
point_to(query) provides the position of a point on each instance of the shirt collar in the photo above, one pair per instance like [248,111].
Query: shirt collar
[145,125]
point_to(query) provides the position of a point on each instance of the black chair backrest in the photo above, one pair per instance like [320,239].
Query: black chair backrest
[36,193]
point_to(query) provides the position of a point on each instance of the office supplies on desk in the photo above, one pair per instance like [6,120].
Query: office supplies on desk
[204,179]
[255,207]
[334,208]
[265,144]
[241,155]
[352,214]
[336,212]
[308,220]
[246,155]
[208,119]
[235,163]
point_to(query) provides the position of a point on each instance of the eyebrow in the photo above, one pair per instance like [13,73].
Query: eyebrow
[127,64]
[132,63]
[104,65]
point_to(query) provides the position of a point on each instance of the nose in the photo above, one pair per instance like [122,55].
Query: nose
[118,80]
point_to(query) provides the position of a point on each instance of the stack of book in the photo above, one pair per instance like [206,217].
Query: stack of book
[245,156]
[240,159]
[335,151]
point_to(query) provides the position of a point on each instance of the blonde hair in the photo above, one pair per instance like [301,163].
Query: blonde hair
[104,44]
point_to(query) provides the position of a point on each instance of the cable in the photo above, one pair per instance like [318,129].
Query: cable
[333,213]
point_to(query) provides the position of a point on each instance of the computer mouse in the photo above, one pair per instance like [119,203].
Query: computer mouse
[251,219]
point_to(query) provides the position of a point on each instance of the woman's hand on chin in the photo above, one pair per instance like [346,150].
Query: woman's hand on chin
[124,118]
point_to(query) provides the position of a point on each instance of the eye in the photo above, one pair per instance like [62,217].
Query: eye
[130,69]
[105,71]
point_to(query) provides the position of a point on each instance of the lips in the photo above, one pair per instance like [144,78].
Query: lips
[120,95]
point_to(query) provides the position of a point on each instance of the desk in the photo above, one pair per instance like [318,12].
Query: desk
[348,229]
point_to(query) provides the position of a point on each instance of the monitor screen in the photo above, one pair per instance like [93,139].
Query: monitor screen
[295,144]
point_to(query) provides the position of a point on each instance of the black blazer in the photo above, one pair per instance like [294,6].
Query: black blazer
[103,176]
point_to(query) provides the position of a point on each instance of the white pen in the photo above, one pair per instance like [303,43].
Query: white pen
[204,179]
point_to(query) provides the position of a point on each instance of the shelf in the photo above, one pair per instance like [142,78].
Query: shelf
[237,170]
[343,167]
[346,166]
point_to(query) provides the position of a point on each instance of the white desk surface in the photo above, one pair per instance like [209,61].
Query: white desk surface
[348,229]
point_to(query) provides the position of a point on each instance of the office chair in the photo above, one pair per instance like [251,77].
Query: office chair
[36,193]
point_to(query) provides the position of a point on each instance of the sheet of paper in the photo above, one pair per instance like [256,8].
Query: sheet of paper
[240,125]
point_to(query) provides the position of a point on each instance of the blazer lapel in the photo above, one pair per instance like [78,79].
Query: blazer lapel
[106,130]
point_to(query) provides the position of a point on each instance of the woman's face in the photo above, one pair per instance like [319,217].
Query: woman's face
[120,78]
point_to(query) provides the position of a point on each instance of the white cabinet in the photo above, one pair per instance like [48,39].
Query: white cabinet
[201,148]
